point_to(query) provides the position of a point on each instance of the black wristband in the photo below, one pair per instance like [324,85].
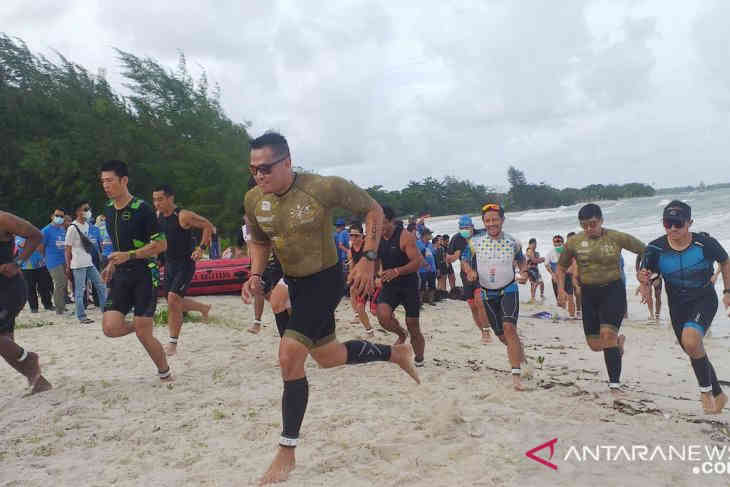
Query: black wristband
[726,291]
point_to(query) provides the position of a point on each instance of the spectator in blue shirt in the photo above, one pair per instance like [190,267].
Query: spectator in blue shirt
[106,241]
[428,268]
[342,242]
[54,248]
[37,278]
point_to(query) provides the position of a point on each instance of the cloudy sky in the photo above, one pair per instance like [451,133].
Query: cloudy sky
[571,92]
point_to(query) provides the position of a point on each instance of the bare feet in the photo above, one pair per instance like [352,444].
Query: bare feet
[517,383]
[32,372]
[280,468]
[41,385]
[169,378]
[486,336]
[206,312]
[370,332]
[709,403]
[170,349]
[621,341]
[720,402]
[255,328]
[402,355]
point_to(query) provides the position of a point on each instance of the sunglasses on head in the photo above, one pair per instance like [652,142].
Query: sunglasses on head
[490,207]
[265,169]
[673,222]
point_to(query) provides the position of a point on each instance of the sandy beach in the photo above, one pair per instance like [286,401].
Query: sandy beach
[109,421]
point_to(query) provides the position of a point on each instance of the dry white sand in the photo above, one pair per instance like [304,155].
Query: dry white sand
[109,421]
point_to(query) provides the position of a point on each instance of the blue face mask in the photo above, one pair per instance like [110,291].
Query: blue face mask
[58,220]
[465,233]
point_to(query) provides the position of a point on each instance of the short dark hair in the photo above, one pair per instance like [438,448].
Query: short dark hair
[532,241]
[275,141]
[388,213]
[591,210]
[570,234]
[411,227]
[58,208]
[165,188]
[435,239]
[79,204]
[356,226]
[398,223]
[118,167]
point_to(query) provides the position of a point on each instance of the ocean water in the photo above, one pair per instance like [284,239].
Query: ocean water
[640,217]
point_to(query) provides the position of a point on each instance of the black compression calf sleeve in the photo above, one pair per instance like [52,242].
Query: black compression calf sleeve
[293,405]
[362,352]
[702,369]
[282,319]
[612,356]
[716,389]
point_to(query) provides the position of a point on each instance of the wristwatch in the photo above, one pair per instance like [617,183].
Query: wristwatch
[371,255]
[726,291]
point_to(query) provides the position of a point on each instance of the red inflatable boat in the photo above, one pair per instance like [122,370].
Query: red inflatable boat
[222,276]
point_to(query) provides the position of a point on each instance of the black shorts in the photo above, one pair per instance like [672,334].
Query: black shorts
[697,313]
[402,290]
[603,306]
[469,287]
[13,294]
[502,305]
[314,300]
[178,276]
[132,287]
[428,280]
[271,276]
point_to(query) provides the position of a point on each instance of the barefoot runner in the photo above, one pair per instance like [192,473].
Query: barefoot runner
[685,260]
[597,251]
[180,257]
[490,258]
[13,296]
[399,260]
[293,213]
[131,275]
[355,253]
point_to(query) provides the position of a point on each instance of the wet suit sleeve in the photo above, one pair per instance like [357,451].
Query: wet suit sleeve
[340,193]
[630,243]
[566,257]
[151,224]
[257,234]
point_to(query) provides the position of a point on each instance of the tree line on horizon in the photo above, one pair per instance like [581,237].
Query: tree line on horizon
[58,123]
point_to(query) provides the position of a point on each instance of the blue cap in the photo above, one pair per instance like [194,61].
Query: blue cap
[465,221]
[340,222]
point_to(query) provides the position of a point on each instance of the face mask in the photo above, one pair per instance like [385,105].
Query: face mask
[559,249]
[87,214]
[58,220]
[465,233]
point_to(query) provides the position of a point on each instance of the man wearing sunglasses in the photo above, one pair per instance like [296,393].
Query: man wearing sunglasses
[685,260]
[597,251]
[292,212]
[490,258]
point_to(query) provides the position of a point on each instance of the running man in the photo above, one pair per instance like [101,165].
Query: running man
[399,261]
[597,251]
[685,260]
[355,253]
[533,261]
[490,259]
[180,257]
[471,289]
[13,297]
[132,277]
[551,265]
[293,213]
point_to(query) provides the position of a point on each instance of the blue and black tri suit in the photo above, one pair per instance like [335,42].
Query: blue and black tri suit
[691,295]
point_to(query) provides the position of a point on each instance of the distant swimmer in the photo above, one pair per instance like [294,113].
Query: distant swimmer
[292,212]
[597,251]
[13,296]
[685,260]
[490,258]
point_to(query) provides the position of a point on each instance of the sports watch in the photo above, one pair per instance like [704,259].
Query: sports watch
[371,255]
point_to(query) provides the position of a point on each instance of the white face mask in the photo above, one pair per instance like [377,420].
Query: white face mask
[87,214]
[58,220]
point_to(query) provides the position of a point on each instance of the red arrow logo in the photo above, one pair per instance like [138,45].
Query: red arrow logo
[531,453]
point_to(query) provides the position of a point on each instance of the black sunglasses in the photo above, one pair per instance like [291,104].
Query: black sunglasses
[672,222]
[265,169]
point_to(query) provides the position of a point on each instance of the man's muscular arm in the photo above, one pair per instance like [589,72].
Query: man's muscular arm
[189,219]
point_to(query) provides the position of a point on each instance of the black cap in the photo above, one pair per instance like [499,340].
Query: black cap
[678,210]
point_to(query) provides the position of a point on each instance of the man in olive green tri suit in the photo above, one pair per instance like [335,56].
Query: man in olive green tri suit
[292,212]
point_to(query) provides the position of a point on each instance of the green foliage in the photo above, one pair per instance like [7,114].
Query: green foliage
[58,123]
[525,196]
